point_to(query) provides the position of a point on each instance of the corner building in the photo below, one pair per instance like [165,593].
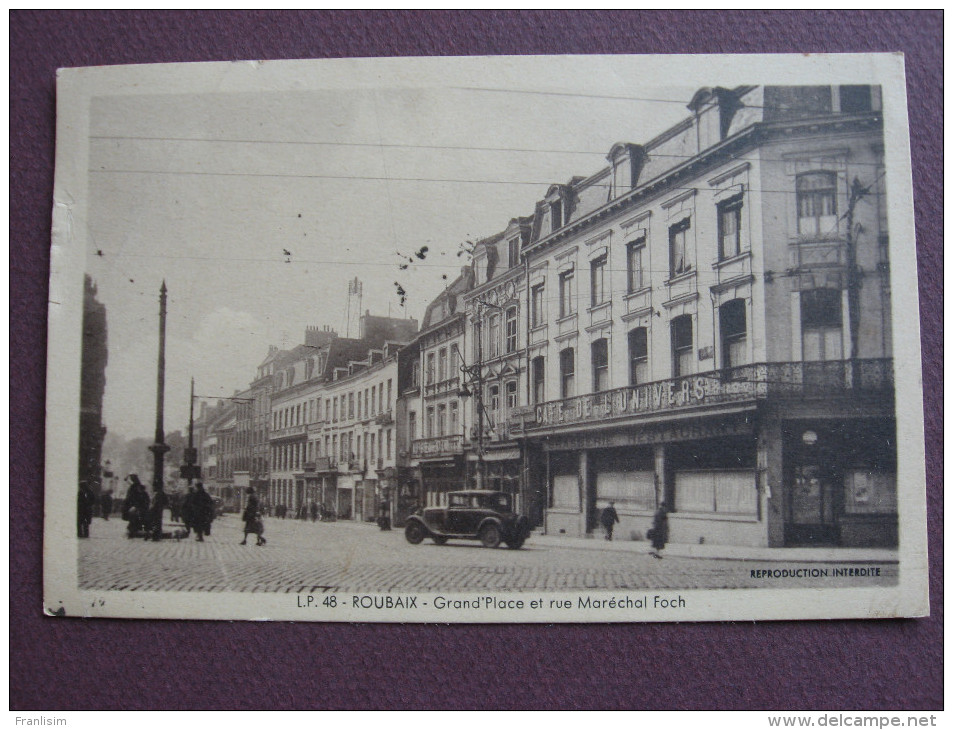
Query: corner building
[708,325]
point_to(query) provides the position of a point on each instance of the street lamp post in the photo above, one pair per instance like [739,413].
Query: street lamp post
[160,447]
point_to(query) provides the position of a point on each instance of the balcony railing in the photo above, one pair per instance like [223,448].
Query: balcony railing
[291,431]
[451,385]
[746,383]
[439,446]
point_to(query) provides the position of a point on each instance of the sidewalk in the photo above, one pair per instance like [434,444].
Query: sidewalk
[723,552]
[682,550]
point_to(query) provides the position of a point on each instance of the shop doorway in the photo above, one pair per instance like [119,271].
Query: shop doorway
[815,506]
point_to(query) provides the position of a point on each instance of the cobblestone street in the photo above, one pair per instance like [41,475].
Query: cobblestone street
[306,557]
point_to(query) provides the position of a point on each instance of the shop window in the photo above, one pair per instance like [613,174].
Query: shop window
[633,257]
[817,204]
[626,477]
[597,270]
[565,486]
[734,334]
[567,372]
[538,305]
[600,365]
[567,303]
[539,379]
[729,227]
[723,491]
[511,338]
[869,492]
[821,328]
[679,255]
[682,346]
[512,398]
[638,356]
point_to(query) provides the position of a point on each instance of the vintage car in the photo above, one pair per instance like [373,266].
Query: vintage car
[476,514]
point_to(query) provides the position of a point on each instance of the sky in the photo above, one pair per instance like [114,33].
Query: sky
[257,208]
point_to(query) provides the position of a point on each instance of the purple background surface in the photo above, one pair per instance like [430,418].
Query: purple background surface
[75,664]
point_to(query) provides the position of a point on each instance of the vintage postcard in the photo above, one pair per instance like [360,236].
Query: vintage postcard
[499,339]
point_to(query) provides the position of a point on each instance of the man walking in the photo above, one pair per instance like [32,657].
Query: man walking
[160,500]
[85,501]
[608,519]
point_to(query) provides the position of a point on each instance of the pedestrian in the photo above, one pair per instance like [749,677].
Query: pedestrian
[383,516]
[188,509]
[203,510]
[659,532]
[135,507]
[85,502]
[252,518]
[160,500]
[609,518]
[106,504]
[314,511]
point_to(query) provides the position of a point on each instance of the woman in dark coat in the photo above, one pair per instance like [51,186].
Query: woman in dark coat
[252,519]
[135,507]
[202,512]
[659,532]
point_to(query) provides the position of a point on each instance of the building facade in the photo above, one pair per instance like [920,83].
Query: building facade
[332,431]
[496,309]
[95,355]
[709,329]
[433,412]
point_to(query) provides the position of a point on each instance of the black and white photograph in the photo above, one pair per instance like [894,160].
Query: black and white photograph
[508,339]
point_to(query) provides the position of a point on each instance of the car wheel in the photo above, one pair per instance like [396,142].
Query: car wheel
[490,536]
[439,540]
[516,544]
[414,532]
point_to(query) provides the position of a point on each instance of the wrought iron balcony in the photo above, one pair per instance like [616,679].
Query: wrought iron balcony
[746,383]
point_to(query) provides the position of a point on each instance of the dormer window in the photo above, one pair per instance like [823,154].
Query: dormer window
[556,215]
[513,251]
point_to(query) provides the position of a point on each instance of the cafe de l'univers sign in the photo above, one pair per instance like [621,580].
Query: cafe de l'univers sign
[662,396]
